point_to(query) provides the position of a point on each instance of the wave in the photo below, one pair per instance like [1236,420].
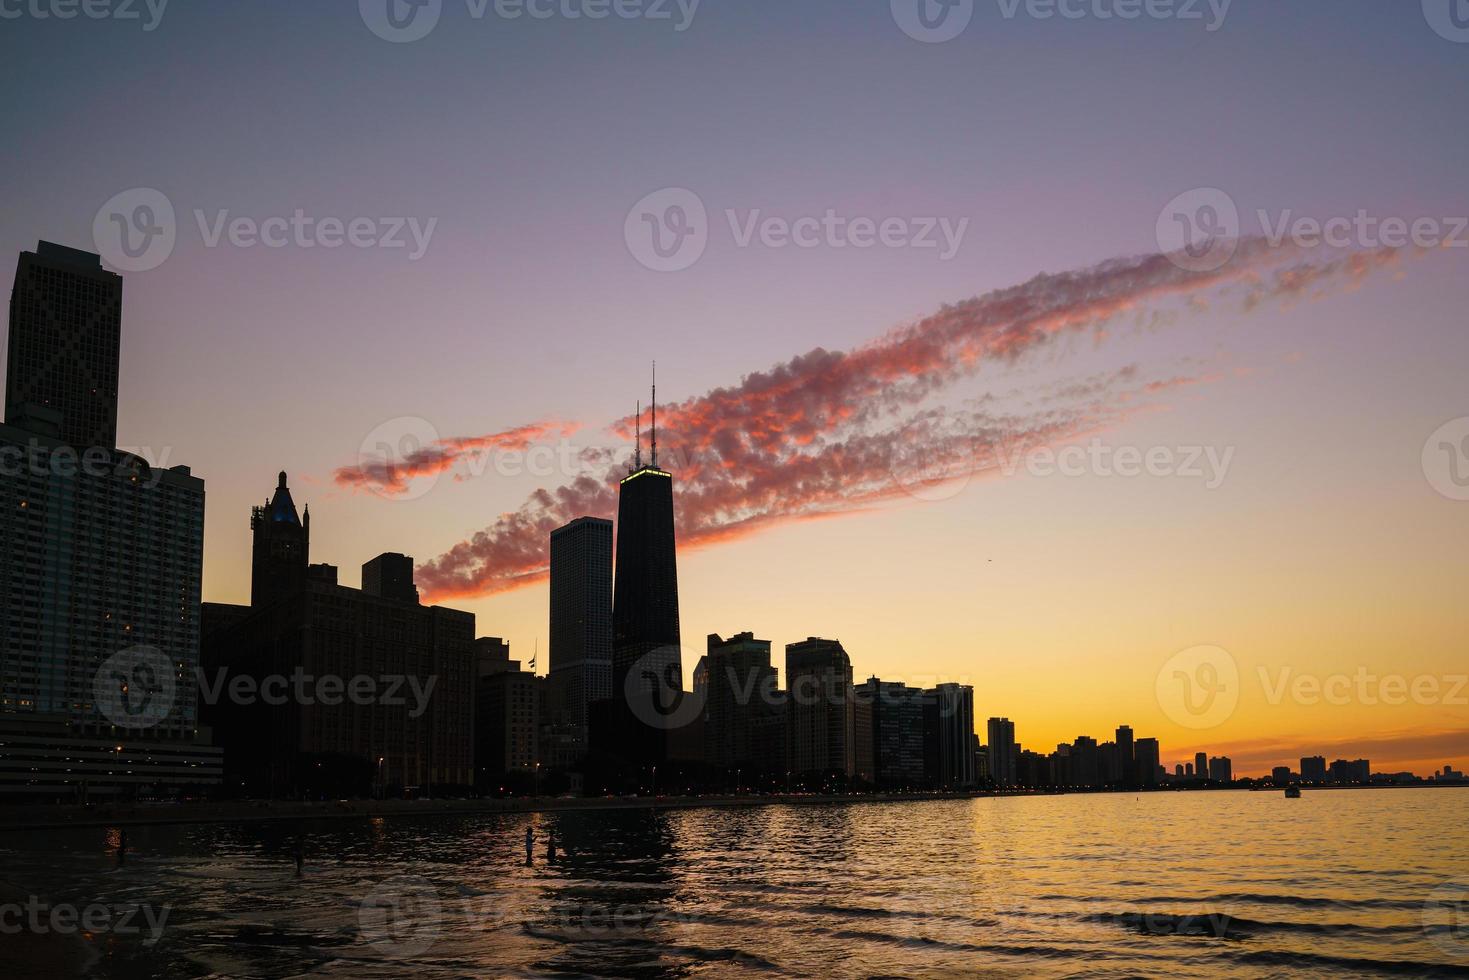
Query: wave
[1413,968]
[1256,898]
[702,954]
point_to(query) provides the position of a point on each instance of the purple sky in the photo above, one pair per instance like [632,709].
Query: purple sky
[1059,141]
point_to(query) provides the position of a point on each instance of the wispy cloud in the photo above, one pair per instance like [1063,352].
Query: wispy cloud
[392,477]
[831,432]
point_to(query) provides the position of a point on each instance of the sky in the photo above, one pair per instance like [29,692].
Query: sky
[864,409]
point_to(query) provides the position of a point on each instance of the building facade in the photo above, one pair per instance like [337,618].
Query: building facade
[821,715]
[742,705]
[647,663]
[952,729]
[65,337]
[581,636]
[101,558]
[1003,752]
[1149,765]
[408,723]
[507,713]
[897,732]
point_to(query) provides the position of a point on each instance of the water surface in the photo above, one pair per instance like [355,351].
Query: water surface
[1164,884]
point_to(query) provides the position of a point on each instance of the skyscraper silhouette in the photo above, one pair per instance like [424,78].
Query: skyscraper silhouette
[282,547]
[822,708]
[101,559]
[581,636]
[65,330]
[1004,756]
[645,627]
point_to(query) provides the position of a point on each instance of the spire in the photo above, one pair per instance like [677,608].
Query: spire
[638,452]
[655,415]
[282,484]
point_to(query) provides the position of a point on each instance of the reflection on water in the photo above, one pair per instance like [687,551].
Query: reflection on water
[1189,884]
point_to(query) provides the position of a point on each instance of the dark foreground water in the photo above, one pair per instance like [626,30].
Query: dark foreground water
[1186,884]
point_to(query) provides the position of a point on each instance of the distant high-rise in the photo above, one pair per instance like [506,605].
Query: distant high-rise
[1221,769]
[390,576]
[65,330]
[822,710]
[506,713]
[1126,758]
[1356,771]
[100,559]
[953,736]
[581,628]
[1085,762]
[1147,754]
[1002,751]
[645,626]
[742,723]
[897,732]
[1313,769]
[1201,765]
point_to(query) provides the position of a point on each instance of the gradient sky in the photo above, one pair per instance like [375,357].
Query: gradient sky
[1324,550]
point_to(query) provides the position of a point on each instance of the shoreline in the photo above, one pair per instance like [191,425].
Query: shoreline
[53,816]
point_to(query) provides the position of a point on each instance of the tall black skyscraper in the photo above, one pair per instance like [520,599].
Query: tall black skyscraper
[645,632]
[65,328]
[581,634]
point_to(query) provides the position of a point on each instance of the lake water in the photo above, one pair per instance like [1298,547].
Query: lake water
[1164,884]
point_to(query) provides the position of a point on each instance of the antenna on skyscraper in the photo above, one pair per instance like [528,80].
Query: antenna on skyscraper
[638,452]
[655,415]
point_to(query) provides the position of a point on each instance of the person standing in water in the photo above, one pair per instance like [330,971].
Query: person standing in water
[530,844]
[551,847]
